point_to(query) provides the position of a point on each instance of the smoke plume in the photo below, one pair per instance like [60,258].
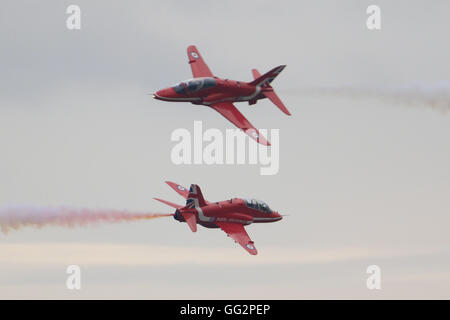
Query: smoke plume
[435,96]
[15,217]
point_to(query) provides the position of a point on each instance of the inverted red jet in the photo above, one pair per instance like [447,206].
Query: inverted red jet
[231,215]
[220,94]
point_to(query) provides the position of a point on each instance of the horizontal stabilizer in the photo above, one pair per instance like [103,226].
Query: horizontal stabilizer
[272,96]
[171,204]
[190,220]
[268,91]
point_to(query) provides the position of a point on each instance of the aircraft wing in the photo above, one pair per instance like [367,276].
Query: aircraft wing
[198,66]
[182,191]
[229,111]
[237,232]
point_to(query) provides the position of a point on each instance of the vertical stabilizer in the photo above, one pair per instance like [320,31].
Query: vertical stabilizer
[195,197]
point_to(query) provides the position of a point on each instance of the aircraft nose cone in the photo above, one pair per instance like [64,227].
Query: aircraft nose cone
[164,93]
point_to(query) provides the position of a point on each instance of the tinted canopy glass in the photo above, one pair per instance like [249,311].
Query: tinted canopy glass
[257,205]
[179,88]
[194,85]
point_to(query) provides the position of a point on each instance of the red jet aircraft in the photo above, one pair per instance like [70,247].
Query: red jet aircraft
[220,94]
[231,215]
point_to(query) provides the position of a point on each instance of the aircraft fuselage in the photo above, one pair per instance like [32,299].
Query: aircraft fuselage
[234,211]
[210,90]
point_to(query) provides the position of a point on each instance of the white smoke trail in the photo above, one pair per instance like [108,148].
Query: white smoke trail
[15,217]
[435,96]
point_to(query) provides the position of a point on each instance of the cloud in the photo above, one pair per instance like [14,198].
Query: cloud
[154,255]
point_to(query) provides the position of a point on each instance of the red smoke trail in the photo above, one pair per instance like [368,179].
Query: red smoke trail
[15,217]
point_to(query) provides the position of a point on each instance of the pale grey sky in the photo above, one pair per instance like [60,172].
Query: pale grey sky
[364,180]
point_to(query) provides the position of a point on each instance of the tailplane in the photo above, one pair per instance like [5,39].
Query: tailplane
[266,89]
[266,78]
[171,204]
[194,198]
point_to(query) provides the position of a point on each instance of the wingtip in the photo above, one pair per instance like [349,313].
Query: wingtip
[254,134]
[191,47]
[264,142]
[251,248]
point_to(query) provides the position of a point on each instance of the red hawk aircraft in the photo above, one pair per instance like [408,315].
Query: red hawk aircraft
[219,94]
[231,215]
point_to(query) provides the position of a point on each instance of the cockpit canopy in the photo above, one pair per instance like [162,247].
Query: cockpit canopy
[193,85]
[257,205]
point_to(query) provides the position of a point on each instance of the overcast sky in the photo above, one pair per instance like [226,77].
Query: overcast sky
[364,180]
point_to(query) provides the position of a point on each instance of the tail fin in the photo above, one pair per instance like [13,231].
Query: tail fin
[267,89]
[195,197]
[268,77]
